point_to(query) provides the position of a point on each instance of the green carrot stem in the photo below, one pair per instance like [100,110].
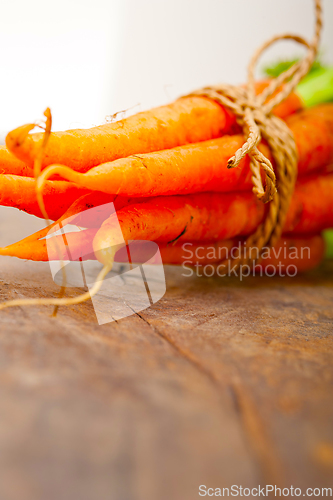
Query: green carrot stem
[317,88]
[328,235]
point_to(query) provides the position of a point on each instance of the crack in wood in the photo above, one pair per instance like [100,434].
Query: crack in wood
[190,359]
[259,444]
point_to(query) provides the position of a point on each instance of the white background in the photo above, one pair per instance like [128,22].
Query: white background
[87,59]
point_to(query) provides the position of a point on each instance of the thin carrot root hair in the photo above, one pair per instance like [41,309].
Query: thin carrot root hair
[39,195]
[38,163]
[62,301]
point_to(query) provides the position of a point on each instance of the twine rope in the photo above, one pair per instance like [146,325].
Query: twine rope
[254,114]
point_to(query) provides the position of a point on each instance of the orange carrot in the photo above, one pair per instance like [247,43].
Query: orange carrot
[313,132]
[209,216]
[70,246]
[187,120]
[203,217]
[311,209]
[304,253]
[202,166]
[20,192]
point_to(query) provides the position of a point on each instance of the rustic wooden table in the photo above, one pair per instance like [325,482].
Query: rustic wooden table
[220,383]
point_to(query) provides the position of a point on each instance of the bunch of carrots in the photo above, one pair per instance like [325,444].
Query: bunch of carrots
[165,171]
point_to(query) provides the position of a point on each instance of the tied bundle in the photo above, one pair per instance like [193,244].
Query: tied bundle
[174,175]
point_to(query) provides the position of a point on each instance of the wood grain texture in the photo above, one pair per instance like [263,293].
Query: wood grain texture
[219,383]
